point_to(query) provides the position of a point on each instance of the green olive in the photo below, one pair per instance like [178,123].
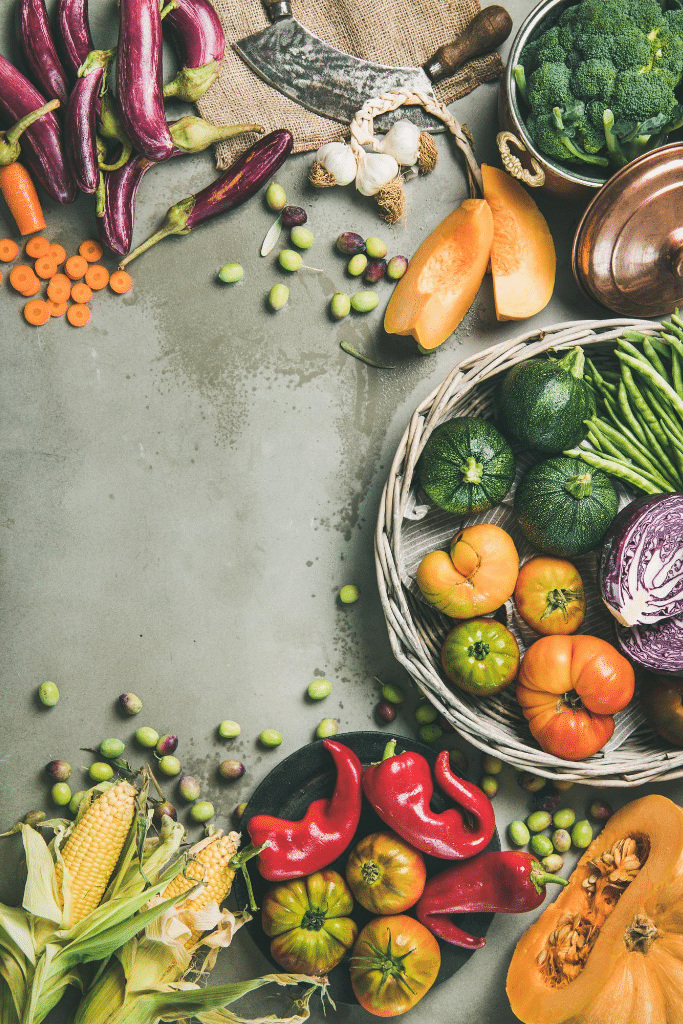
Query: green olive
[61,794]
[489,785]
[582,834]
[357,264]
[231,272]
[146,736]
[518,833]
[170,765]
[228,729]
[364,302]
[564,817]
[112,748]
[270,738]
[561,840]
[426,713]
[328,727]
[457,760]
[553,863]
[278,296]
[393,693]
[375,248]
[430,733]
[49,694]
[203,810]
[301,237]
[100,771]
[319,689]
[340,305]
[276,197]
[539,820]
[290,260]
[562,785]
[492,765]
[349,593]
[541,845]
[189,788]
[75,802]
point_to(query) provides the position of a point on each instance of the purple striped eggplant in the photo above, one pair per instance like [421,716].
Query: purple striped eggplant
[40,51]
[74,30]
[138,79]
[200,42]
[80,120]
[42,142]
[230,189]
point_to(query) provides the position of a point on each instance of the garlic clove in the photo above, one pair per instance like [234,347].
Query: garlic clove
[402,141]
[375,170]
[334,164]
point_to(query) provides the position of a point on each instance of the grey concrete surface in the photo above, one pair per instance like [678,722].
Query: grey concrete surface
[186,483]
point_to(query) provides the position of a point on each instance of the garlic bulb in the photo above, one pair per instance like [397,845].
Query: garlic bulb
[409,146]
[334,164]
[375,170]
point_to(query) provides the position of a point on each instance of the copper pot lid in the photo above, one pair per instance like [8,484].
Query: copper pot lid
[628,247]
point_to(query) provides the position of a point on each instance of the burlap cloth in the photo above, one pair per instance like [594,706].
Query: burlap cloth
[396,32]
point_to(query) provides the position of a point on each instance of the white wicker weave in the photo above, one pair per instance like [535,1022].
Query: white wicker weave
[416,631]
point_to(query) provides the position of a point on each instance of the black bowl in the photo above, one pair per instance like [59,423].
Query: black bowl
[309,774]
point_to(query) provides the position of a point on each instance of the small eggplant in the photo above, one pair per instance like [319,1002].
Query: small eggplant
[72,18]
[40,51]
[230,189]
[80,121]
[41,142]
[200,42]
[138,79]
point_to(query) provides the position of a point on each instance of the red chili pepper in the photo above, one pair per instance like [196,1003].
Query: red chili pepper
[500,882]
[400,787]
[299,848]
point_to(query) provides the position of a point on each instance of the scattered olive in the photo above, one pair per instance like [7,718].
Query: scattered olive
[445,724]
[319,689]
[518,833]
[170,765]
[238,813]
[328,727]
[189,788]
[167,744]
[350,243]
[530,783]
[100,771]
[582,834]
[489,785]
[112,748]
[48,694]
[231,272]
[229,730]
[553,863]
[364,302]
[541,845]
[164,809]
[146,736]
[561,840]
[600,811]
[430,733]
[564,817]
[75,802]
[270,738]
[340,305]
[276,197]
[426,713]
[130,704]
[58,771]
[492,765]
[357,264]
[562,785]
[34,818]
[375,271]
[290,260]
[393,693]
[546,800]
[457,760]
[278,296]
[539,820]
[231,769]
[396,267]
[293,216]
[349,593]
[61,794]
[203,810]
[386,711]
[375,248]
[302,238]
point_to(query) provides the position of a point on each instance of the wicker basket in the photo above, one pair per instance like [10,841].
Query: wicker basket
[416,630]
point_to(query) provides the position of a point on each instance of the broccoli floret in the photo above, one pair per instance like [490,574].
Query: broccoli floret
[647,14]
[667,52]
[674,21]
[592,138]
[594,112]
[594,79]
[639,96]
[630,49]
[548,87]
[545,50]
[556,139]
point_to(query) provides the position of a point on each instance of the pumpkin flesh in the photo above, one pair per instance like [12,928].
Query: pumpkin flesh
[633,973]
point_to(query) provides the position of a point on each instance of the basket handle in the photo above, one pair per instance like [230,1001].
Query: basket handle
[513,165]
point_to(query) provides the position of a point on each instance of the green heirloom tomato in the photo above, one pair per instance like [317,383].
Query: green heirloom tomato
[480,656]
[386,875]
[307,919]
[394,963]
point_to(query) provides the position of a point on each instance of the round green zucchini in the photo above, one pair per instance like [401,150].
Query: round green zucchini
[542,403]
[466,466]
[564,507]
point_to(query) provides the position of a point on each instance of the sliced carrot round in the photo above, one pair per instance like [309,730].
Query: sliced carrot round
[81,292]
[9,250]
[56,308]
[97,276]
[45,267]
[120,282]
[91,250]
[23,279]
[78,314]
[37,312]
[59,288]
[37,246]
[75,267]
[58,253]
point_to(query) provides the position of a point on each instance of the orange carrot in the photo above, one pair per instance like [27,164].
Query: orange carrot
[45,267]
[78,314]
[37,246]
[97,276]
[81,292]
[9,250]
[91,250]
[120,282]
[56,308]
[21,197]
[59,288]
[37,312]
[23,280]
[75,267]
[58,253]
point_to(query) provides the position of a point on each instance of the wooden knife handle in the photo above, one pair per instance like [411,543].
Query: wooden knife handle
[278,9]
[485,32]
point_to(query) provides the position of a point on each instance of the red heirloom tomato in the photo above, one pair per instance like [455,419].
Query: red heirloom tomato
[386,874]
[549,595]
[394,962]
[569,687]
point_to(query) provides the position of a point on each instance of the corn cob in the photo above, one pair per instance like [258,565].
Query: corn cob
[211,865]
[93,848]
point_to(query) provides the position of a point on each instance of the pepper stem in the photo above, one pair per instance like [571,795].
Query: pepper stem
[542,878]
[9,140]
[389,750]
[175,223]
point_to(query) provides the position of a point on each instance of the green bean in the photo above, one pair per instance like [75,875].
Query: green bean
[654,378]
[614,412]
[629,416]
[650,352]
[677,372]
[677,456]
[618,469]
[675,340]
[598,381]
[619,446]
[647,417]
[664,415]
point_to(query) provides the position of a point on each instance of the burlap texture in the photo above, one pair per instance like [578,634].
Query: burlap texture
[396,32]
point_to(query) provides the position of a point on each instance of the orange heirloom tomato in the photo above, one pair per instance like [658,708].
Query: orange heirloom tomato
[549,595]
[386,874]
[394,962]
[569,687]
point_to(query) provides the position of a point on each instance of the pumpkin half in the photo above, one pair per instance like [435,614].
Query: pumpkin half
[609,950]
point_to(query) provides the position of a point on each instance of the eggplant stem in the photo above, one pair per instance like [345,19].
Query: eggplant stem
[126,150]
[9,140]
[175,223]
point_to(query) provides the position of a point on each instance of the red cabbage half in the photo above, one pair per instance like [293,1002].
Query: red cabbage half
[658,647]
[641,567]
